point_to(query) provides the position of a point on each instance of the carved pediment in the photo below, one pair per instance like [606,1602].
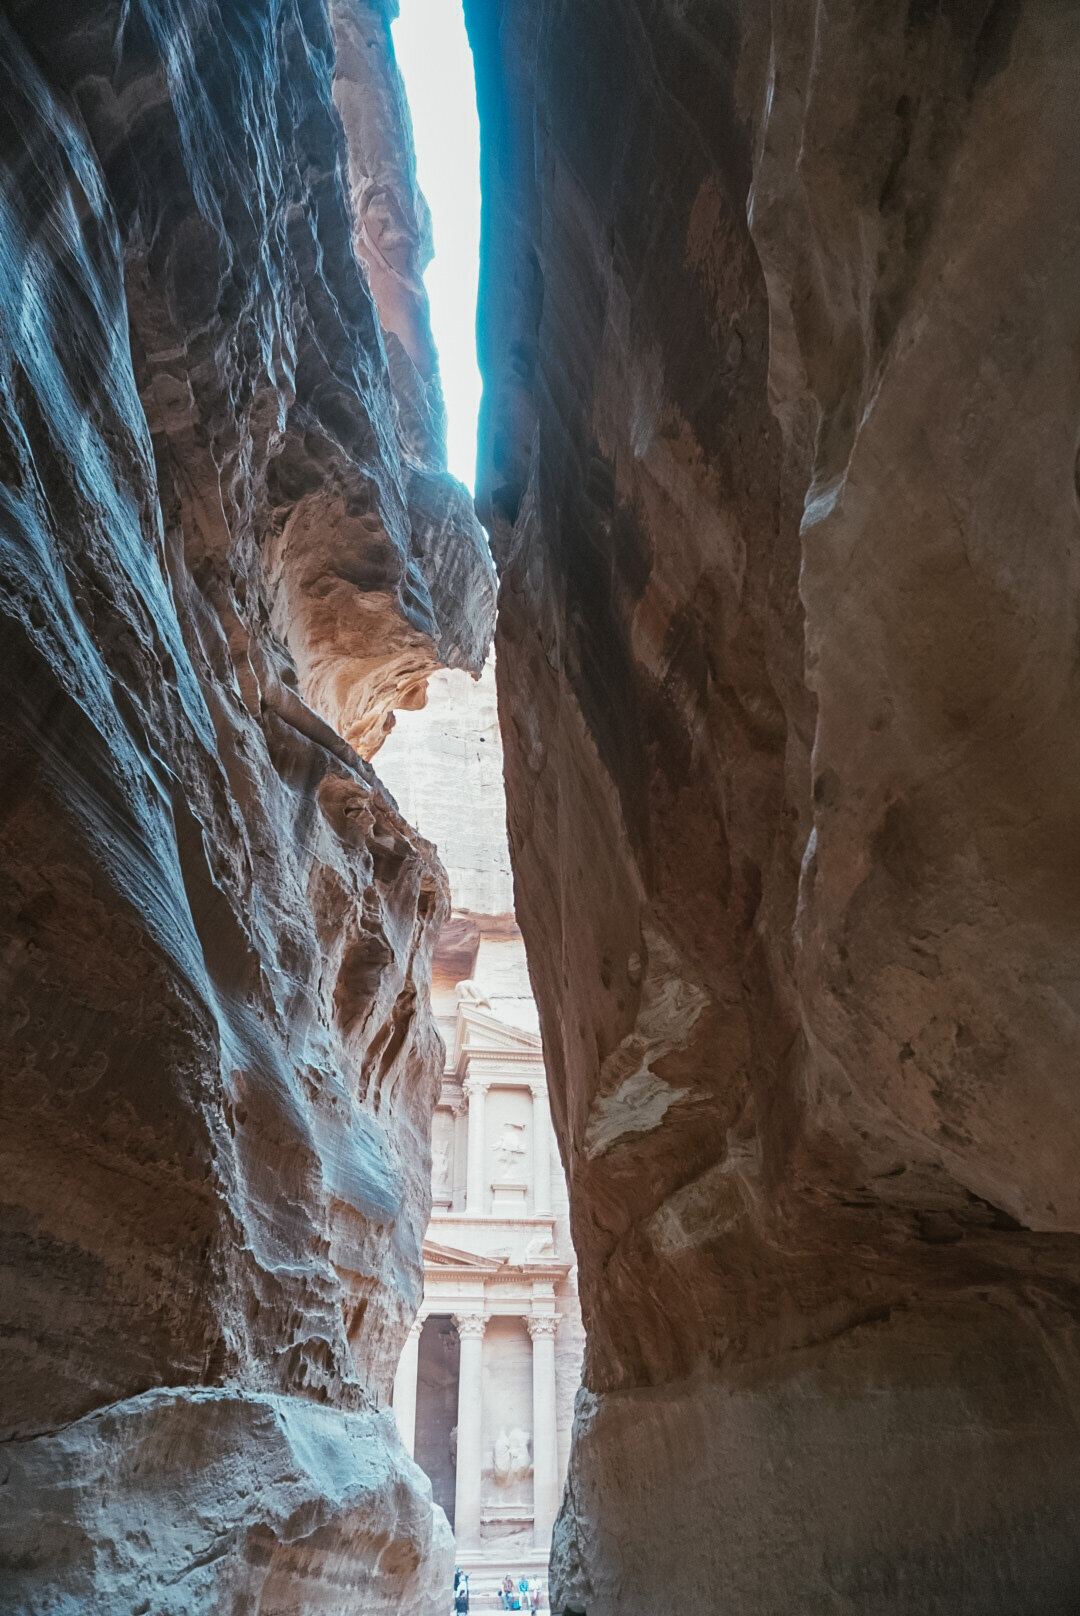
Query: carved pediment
[488,1032]
[480,1032]
[440,1256]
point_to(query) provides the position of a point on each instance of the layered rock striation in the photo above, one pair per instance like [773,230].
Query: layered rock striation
[226,555]
[779,326]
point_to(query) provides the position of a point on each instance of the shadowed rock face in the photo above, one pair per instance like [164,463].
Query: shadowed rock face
[223,561]
[780,318]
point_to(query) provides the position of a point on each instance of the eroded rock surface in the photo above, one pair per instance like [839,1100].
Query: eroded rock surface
[217,580]
[291,1506]
[780,322]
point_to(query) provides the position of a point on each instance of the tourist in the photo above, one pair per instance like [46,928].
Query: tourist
[461,1593]
[507,1591]
[536,1593]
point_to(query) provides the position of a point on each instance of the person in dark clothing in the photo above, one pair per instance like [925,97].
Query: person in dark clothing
[461,1592]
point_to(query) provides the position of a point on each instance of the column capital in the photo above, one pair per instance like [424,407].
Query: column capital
[539,1324]
[539,1088]
[416,1327]
[475,1085]
[470,1324]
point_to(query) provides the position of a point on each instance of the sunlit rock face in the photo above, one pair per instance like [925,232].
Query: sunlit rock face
[219,1060]
[779,327]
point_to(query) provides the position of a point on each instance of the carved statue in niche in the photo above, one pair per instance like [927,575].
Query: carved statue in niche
[510,1151]
[511,1456]
[440,1167]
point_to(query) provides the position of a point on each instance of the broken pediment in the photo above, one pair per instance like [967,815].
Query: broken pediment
[439,1256]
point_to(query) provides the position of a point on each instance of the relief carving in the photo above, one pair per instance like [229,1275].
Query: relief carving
[510,1456]
[510,1152]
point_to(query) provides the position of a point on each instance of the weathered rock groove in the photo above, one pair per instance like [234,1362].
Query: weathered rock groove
[780,317]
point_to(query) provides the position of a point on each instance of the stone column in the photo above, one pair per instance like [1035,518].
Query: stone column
[476,1093]
[460,1108]
[405,1387]
[541,1151]
[470,1453]
[542,1328]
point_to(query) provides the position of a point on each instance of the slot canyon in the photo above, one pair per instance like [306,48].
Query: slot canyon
[778,499]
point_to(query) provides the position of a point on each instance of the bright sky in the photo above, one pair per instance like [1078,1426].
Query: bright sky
[436,63]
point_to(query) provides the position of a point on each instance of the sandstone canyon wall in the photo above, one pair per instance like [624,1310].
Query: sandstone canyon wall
[228,549]
[780,317]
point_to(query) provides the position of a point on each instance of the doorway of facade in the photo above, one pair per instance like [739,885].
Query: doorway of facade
[437,1364]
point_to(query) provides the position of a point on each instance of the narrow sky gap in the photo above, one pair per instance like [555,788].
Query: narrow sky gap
[436,64]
